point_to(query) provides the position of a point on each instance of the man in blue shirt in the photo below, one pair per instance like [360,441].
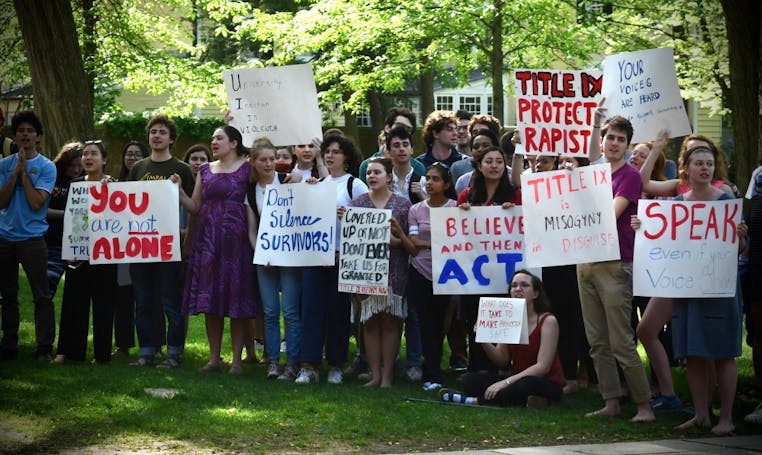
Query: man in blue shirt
[26,180]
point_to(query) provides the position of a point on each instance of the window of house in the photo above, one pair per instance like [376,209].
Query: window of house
[472,104]
[444,103]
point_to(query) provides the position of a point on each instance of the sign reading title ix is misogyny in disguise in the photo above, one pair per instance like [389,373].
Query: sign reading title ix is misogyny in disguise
[364,258]
[279,103]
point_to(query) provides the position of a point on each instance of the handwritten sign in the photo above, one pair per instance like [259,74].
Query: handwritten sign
[277,102]
[554,110]
[502,320]
[298,226]
[75,241]
[686,249]
[642,87]
[569,216]
[475,251]
[364,254]
[134,222]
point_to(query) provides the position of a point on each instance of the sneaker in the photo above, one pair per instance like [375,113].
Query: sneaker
[357,366]
[755,416]
[289,373]
[431,386]
[283,346]
[666,403]
[274,370]
[458,365]
[307,375]
[335,376]
[414,374]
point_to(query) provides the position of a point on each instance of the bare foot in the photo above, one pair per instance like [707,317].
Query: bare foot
[723,429]
[571,387]
[386,385]
[210,367]
[643,417]
[605,411]
[693,423]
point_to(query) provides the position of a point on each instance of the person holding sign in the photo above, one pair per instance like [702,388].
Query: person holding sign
[530,374]
[220,247]
[707,331]
[87,283]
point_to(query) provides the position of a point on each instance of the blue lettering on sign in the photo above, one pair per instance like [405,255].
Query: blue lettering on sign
[453,271]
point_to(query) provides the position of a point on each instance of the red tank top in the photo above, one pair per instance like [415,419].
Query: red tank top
[525,355]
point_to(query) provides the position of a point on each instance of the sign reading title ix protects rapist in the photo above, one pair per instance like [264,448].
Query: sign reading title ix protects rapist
[364,258]
[475,251]
[298,226]
[554,110]
[642,87]
[569,216]
[277,102]
[134,222]
[686,249]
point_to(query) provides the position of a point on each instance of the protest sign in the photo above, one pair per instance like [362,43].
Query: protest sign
[277,102]
[502,320]
[364,253]
[475,251]
[569,216]
[686,249]
[554,110]
[75,241]
[298,226]
[642,87]
[134,222]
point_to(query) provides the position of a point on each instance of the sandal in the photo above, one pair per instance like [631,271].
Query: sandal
[169,363]
[142,362]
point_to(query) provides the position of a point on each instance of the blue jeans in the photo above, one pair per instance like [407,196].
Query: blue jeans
[158,284]
[325,317]
[281,287]
[56,269]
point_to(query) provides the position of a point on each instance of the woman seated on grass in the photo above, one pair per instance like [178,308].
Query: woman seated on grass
[534,375]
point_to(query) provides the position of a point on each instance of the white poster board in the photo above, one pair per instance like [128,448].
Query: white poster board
[569,216]
[298,225]
[502,320]
[279,103]
[686,249]
[75,244]
[475,251]
[364,254]
[134,222]
[554,110]
[641,86]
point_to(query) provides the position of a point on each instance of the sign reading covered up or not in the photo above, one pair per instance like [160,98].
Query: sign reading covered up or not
[134,222]
[686,249]
[641,86]
[569,216]
[279,103]
[554,110]
[75,244]
[364,254]
[475,251]
[298,226]
[502,320]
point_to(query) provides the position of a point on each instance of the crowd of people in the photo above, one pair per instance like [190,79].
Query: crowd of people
[583,321]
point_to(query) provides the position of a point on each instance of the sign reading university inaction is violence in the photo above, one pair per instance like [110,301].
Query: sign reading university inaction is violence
[75,241]
[569,216]
[554,110]
[298,226]
[502,320]
[364,253]
[134,222]
[686,249]
[475,251]
[277,102]
[642,87]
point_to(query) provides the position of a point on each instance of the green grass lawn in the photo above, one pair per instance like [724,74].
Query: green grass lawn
[46,407]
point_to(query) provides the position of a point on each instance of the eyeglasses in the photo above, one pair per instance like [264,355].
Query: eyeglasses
[133,155]
[441,164]
[96,142]
[520,285]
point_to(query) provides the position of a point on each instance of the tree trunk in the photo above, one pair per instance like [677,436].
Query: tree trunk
[350,123]
[427,93]
[61,96]
[496,63]
[742,20]
[376,111]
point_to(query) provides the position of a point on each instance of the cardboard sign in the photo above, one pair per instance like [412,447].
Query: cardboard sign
[75,244]
[298,226]
[475,251]
[642,87]
[569,216]
[134,222]
[686,249]
[502,320]
[279,103]
[364,254]
[554,110]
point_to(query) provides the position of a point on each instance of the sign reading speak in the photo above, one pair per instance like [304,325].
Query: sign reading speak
[502,320]
[277,102]
[642,87]
[569,216]
[134,222]
[686,249]
[554,110]
[75,244]
[298,226]
[364,258]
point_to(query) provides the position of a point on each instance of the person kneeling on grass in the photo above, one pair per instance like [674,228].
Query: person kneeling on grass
[534,375]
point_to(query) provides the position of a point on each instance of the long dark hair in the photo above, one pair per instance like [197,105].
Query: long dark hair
[444,173]
[541,304]
[347,147]
[143,149]
[478,192]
